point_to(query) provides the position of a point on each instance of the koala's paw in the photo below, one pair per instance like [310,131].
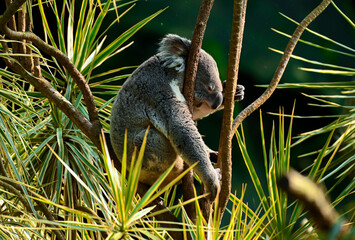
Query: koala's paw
[213,186]
[239,92]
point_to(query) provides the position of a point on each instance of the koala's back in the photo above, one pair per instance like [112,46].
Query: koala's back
[139,95]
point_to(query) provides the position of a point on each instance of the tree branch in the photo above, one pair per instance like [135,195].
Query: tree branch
[91,128]
[282,65]
[56,53]
[225,143]
[194,52]
[56,98]
[12,25]
[17,191]
[188,91]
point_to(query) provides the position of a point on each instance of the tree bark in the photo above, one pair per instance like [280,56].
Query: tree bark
[282,65]
[188,91]
[225,143]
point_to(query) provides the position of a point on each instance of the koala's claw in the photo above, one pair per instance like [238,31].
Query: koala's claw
[214,187]
[239,93]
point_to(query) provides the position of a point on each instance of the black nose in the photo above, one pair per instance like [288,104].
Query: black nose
[217,101]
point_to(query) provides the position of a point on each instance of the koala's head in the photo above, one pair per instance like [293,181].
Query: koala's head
[173,52]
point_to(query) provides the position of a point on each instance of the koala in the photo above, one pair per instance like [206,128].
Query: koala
[152,96]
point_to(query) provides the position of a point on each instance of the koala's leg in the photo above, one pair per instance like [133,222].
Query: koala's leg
[159,155]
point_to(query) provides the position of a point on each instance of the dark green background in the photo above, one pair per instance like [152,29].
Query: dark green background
[257,65]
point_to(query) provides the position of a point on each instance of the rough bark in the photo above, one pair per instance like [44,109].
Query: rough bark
[225,143]
[188,91]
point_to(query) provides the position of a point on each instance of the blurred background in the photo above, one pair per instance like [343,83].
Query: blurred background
[257,65]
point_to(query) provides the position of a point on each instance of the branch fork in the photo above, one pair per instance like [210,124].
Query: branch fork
[92,126]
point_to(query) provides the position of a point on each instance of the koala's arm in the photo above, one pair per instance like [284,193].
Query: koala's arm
[174,120]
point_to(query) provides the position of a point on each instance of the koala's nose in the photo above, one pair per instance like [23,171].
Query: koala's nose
[217,101]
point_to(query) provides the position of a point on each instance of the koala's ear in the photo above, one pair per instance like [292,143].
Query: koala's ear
[173,50]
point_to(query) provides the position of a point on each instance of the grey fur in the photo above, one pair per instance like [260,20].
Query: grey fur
[152,96]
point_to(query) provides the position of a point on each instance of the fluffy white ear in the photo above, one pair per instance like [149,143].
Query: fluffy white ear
[173,50]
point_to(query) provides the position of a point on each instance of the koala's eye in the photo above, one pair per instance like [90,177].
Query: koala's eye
[210,87]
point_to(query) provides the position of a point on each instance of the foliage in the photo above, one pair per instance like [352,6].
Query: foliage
[283,214]
[40,146]
[340,94]
[56,166]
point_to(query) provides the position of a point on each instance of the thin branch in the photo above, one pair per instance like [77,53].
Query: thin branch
[3,171]
[50,217]
[21,27]
[28,51]
[60,56]
[225,143]
[17,193]
[188,193]
[282,65]
[59,100]
[314,200]
[11,20]
[12,25]
[17,190]
[37,67]
[194,52]
[188,91]
[90,128]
